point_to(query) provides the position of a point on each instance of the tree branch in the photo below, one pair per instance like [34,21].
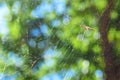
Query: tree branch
[107,49]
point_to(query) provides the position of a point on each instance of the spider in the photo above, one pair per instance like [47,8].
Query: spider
[86,27]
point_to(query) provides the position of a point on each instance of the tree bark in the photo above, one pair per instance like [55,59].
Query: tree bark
[110,69]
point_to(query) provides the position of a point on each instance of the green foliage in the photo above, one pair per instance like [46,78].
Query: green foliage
[65,46]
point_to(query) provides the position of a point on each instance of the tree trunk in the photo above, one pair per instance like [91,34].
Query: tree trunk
[110,68]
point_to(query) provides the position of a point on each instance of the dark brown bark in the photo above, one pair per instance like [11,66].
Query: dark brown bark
[107,49]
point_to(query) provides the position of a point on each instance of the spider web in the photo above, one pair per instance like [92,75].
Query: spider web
[49,48]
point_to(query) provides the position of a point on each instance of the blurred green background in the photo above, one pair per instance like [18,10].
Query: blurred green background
[43,39]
